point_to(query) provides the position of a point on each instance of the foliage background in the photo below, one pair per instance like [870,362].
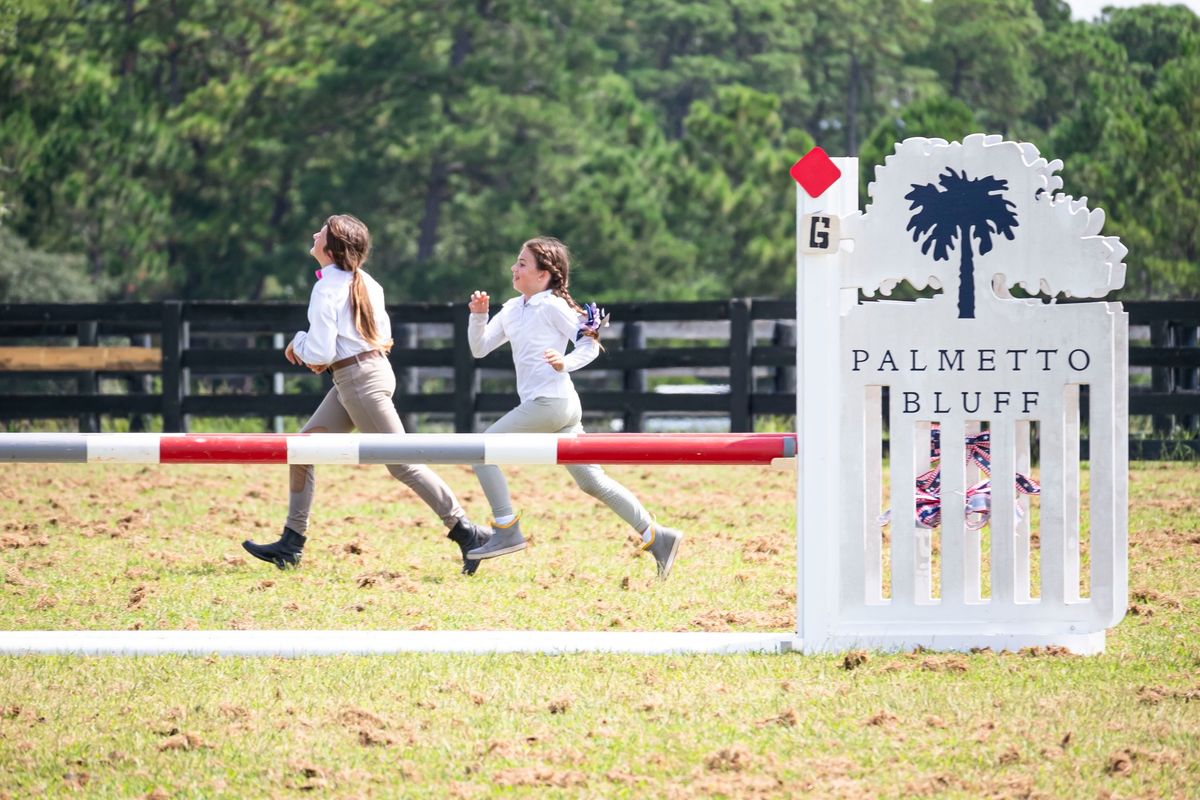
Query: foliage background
[162,149]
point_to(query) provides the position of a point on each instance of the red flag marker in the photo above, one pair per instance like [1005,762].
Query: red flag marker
[815,172]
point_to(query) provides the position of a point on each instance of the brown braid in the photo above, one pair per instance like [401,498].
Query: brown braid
[553,256]
[349,243]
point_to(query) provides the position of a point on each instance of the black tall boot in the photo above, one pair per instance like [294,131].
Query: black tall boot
[468,536]
[283,553]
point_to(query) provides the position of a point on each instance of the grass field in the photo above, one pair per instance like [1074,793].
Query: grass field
[89,547]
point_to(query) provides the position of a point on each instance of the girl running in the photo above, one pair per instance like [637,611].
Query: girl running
[350,334]
[539,323]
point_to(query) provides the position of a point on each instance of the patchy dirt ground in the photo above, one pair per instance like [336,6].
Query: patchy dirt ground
[159,547]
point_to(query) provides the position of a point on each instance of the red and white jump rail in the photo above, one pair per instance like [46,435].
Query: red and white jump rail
[402,448]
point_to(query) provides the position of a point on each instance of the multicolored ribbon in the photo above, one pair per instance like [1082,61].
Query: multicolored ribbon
[597,318]
[978,498]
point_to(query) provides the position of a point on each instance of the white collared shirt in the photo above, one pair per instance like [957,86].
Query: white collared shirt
[331,334]
[544,322]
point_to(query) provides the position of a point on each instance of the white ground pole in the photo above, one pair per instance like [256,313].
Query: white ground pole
[298,643]
[818,341]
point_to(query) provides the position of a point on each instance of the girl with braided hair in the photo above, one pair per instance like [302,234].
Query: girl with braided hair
[350,334]
[540,322]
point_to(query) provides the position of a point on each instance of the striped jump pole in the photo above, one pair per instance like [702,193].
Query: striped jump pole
[401,448]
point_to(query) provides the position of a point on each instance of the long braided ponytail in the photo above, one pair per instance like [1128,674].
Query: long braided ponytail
[553,256]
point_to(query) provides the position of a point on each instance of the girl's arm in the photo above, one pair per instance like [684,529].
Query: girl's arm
[483,335]
[566,322]
[319,344]
[585,352]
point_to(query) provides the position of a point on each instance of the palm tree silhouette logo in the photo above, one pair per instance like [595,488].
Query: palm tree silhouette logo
[963,208]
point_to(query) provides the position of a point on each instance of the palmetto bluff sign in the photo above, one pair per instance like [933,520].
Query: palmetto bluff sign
[959,417]
[976,218]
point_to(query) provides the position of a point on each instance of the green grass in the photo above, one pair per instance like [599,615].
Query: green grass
[89,547]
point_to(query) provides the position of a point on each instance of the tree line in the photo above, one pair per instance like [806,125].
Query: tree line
[188,148]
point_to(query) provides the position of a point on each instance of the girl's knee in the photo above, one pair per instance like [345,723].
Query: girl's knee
[488,472]
[592,484]
[299,476]
[405,473]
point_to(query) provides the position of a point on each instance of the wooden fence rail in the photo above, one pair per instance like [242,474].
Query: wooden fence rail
[178,359]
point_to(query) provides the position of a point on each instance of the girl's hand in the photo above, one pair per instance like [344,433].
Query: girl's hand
[554,359]
[290,355]
[479,302]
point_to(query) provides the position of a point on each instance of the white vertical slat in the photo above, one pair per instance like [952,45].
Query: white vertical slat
[1114,577]
[872,553]
[1106,551]
[1071,492]
[956,566]
[972,550]
[923,537]
[852,544]
[1051,531]
[1024,465]
[1003,522]
[903,527]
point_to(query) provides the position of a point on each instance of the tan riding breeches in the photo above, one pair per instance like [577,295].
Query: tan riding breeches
[361,398]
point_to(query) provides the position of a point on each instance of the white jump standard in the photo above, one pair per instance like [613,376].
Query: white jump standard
[980,367]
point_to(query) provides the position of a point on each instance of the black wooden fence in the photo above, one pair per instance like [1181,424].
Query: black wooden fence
[223,359]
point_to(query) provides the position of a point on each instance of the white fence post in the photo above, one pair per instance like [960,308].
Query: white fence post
[818,301]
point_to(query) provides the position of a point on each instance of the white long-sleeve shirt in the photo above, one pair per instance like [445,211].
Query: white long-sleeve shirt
[543,322]
[331,334]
